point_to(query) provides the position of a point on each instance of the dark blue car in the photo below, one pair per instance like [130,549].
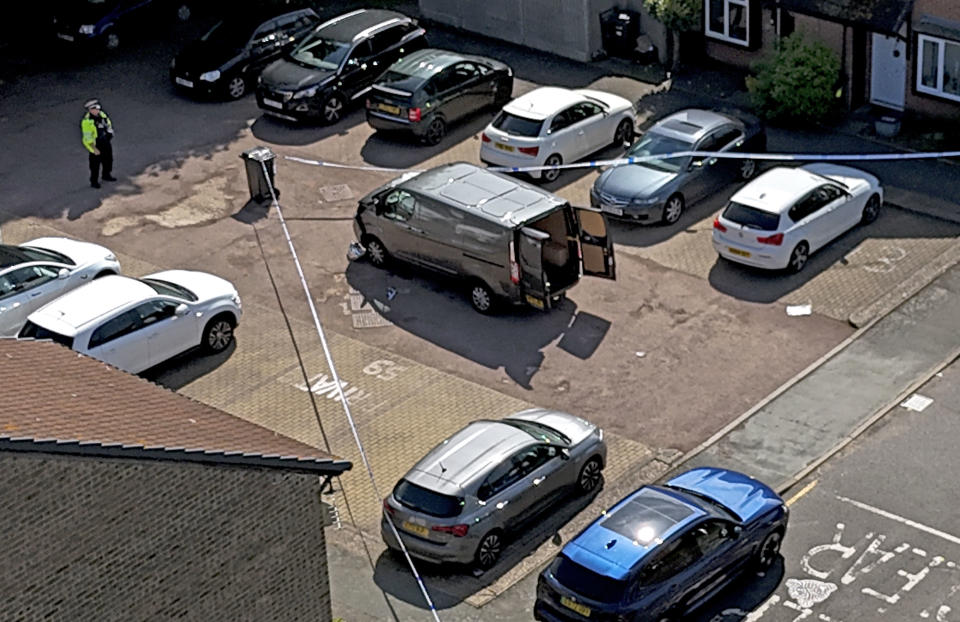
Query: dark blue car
[663,551]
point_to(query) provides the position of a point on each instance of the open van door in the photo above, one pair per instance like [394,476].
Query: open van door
[533,280]
[596,245]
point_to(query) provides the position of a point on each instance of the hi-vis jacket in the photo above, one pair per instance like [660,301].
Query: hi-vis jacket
[88,126]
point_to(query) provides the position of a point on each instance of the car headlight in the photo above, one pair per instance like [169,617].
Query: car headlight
[210,76]
[310,92]
[643,200]
[236,300]
[87,29]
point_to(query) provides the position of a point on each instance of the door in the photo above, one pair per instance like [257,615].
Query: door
[398,230]
[26,289]
[533,280]
[167,334]
[727,170]
[596,245]
[510,488]
[703,172]
[812,218]
[266,44]
[561,137]
[451,96]
[437,245]
[672,574]
[360,70]
[118,341]
[888,71]
[723,551]
[589,130]
[546,480]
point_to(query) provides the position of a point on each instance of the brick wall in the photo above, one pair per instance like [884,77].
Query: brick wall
[111,539]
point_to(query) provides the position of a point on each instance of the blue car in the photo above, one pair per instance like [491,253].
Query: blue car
[663,551]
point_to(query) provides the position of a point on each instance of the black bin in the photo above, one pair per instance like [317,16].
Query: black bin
[619,30]
[256,160]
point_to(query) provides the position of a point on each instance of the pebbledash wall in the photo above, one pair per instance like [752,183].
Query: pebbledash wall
[569,28]
[120,539]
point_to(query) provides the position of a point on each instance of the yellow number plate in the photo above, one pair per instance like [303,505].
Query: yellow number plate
[535,302]
[737,251]
[581,609]
[420,530]
[389,108]
[503,147]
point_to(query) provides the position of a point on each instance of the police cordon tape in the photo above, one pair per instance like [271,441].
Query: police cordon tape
[776,157]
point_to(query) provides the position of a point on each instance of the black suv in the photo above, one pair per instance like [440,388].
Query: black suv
[336,64]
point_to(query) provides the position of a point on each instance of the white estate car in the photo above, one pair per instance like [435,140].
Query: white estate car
[551,125]
[135,324]
[38,271]
[782,216]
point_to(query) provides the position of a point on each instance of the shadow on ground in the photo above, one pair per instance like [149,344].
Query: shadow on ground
[736,602]
[183,369]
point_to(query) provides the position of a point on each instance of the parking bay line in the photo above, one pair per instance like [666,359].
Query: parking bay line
[802,492]
[900,519]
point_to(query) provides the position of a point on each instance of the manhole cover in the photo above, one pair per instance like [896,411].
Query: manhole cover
[339,192]
[370,319]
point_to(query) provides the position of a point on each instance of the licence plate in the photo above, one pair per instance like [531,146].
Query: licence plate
[569,604]
[503,147]
[65,37]
[182,82]
[389,108]
[616,211]
[737,251]
[272,103]
[534,302]
[420,530]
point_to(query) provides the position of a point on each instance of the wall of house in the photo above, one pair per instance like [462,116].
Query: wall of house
[922,103]
[110,539]
[739,56]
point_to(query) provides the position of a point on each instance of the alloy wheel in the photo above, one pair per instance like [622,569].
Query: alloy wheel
[590,475]
[436,131]
[624,134]
[769,550]
[871,210]
[377,253]
[219,335]
[552,174]
[747,169]
[112,41]
[333,109]
[673,209]
[184,13]
[799,257]
[488,552]
[481,299]
[237,87]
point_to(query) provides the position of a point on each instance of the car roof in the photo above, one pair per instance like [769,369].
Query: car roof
[490,195]
[88,303]
[11,256]
[540,103]
[652,514]
[346,27]
[776,190]
[466,455]
[425,63]
[692,124]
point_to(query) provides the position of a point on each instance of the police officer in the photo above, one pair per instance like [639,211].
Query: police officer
[97,133]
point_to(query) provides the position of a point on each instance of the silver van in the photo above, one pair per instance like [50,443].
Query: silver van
[506,239]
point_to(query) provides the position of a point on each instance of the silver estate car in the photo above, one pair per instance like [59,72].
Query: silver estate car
[459,501]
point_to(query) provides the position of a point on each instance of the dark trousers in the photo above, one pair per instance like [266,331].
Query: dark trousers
[105,160]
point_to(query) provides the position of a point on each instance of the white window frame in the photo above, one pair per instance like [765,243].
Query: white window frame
[941,53]
[725,35]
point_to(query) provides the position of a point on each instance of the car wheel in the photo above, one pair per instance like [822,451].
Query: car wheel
[590,475]
[551,174]
[103,273]
[332,110]
[237,87]
[111,40]
[218,334]
[435,131]
[673,209]
[502,92]
[481,297]
[769,549]
[624,133]
[748,168]
[376,252]
[488,551]
[871,210]
[799,257]
[184,12]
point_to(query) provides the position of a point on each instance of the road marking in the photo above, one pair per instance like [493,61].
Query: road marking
[802,492]
[906,521]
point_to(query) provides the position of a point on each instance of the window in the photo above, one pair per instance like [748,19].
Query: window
[586,582]
[383,41]
[679,555]
[22,279]
[751,217]
[155,311]
[815,200]
[427,501]
[266,33]
[562,121]
[727,136]
[712,534]
[511,471]
[34,331]
[399,205]
[518,126]
[727,20]
[123,324]
[166,288]
[450,78]
[938,67]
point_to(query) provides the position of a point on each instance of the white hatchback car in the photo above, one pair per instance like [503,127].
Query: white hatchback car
[777,220]
[550,125]
[38,271]
[134,324]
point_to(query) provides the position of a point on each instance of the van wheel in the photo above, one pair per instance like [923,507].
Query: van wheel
[551,174]
[376,252]
[673,209]
[481,297]
[435,132]
[624,133]
[488,551]
[218,333]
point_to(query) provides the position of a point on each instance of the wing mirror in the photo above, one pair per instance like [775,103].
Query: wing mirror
[565,454]
[696,164]
[63,273]
[737,530]
[181,310]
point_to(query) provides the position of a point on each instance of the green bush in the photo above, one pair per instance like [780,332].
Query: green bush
[798,83]
[676,15]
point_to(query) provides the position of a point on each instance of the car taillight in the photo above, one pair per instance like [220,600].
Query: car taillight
[388,508]
[413,114]
[530,151]
[718,226]
[456,530]
[514,266]
[776,239]
[484,137]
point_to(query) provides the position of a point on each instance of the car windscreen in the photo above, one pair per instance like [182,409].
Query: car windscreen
[586,582]
[318,51]
[166,288]
[35,331]
[42,254]
[539,431]
[518,126]
[751,217]
[427,501]
[228,33]
[654,144]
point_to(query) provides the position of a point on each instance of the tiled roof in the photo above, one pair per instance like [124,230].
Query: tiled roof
[54,399]
[884,16]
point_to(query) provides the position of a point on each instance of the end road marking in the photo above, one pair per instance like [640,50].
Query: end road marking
[802,492]
[900,519]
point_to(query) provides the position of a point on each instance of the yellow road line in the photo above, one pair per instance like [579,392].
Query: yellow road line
[802,492]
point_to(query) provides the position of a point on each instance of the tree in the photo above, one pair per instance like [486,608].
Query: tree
[677,16]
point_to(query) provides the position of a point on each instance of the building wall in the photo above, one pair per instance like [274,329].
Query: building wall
[739,56]
[110,539]
[922,103]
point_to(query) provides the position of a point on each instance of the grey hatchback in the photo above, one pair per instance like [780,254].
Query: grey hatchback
[461,499]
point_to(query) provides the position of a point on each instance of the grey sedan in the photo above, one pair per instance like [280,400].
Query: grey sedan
[659,189]
[458,503]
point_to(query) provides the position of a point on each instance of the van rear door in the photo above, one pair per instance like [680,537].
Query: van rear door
[596,245]
[533,281]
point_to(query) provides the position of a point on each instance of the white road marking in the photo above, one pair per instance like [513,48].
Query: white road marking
[905,521]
